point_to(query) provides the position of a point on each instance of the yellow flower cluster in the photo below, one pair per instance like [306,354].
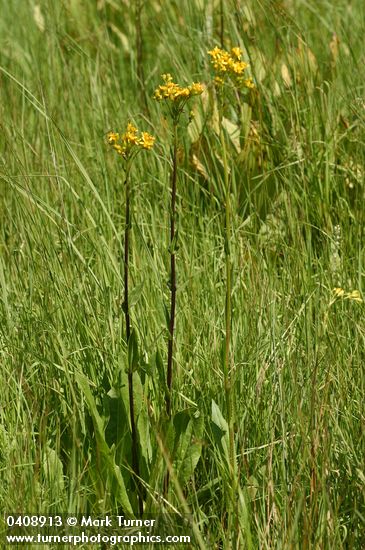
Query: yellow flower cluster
[125,143]
[341,293]
[174,92]
[230,64]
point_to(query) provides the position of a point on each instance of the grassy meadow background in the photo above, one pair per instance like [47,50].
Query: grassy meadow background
[70,73]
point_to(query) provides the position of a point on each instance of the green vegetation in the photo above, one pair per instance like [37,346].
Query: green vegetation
[261,438]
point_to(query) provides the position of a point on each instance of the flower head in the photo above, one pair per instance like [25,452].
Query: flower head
[171,91]
[196,88]
[146,141]
[248,82]
[338,292]
[236,52]
[113,138]
[341,293]
[354,295]
[229,65]
[130,137]
[130,142]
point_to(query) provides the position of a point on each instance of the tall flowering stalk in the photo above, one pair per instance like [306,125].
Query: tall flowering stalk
[230,72]
[176,97]
[128,145]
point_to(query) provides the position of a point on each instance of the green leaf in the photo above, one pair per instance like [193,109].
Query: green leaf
[181,421]
[192,449]
[148,368]
[160,370]
[135,294]
[133,354]
[233,132]
[220,430]
[174,247]
[188,430]
[53,472]
[143,424]
[111,469]
[117,430]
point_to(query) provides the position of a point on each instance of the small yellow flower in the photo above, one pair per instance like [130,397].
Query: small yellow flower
[119,149]
[220,59]
[130,142]
[338,292]
[238,67]
[132,129]
[130,136]
[218,80]
[182,93]
[174,92]
[249,83]
[196,88]
[353,295]
[112,137]
[236,52]
[146,141]
[229,64]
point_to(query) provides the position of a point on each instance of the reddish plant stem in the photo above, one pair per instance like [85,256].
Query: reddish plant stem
[170,350]
[135,461]
[173,288]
